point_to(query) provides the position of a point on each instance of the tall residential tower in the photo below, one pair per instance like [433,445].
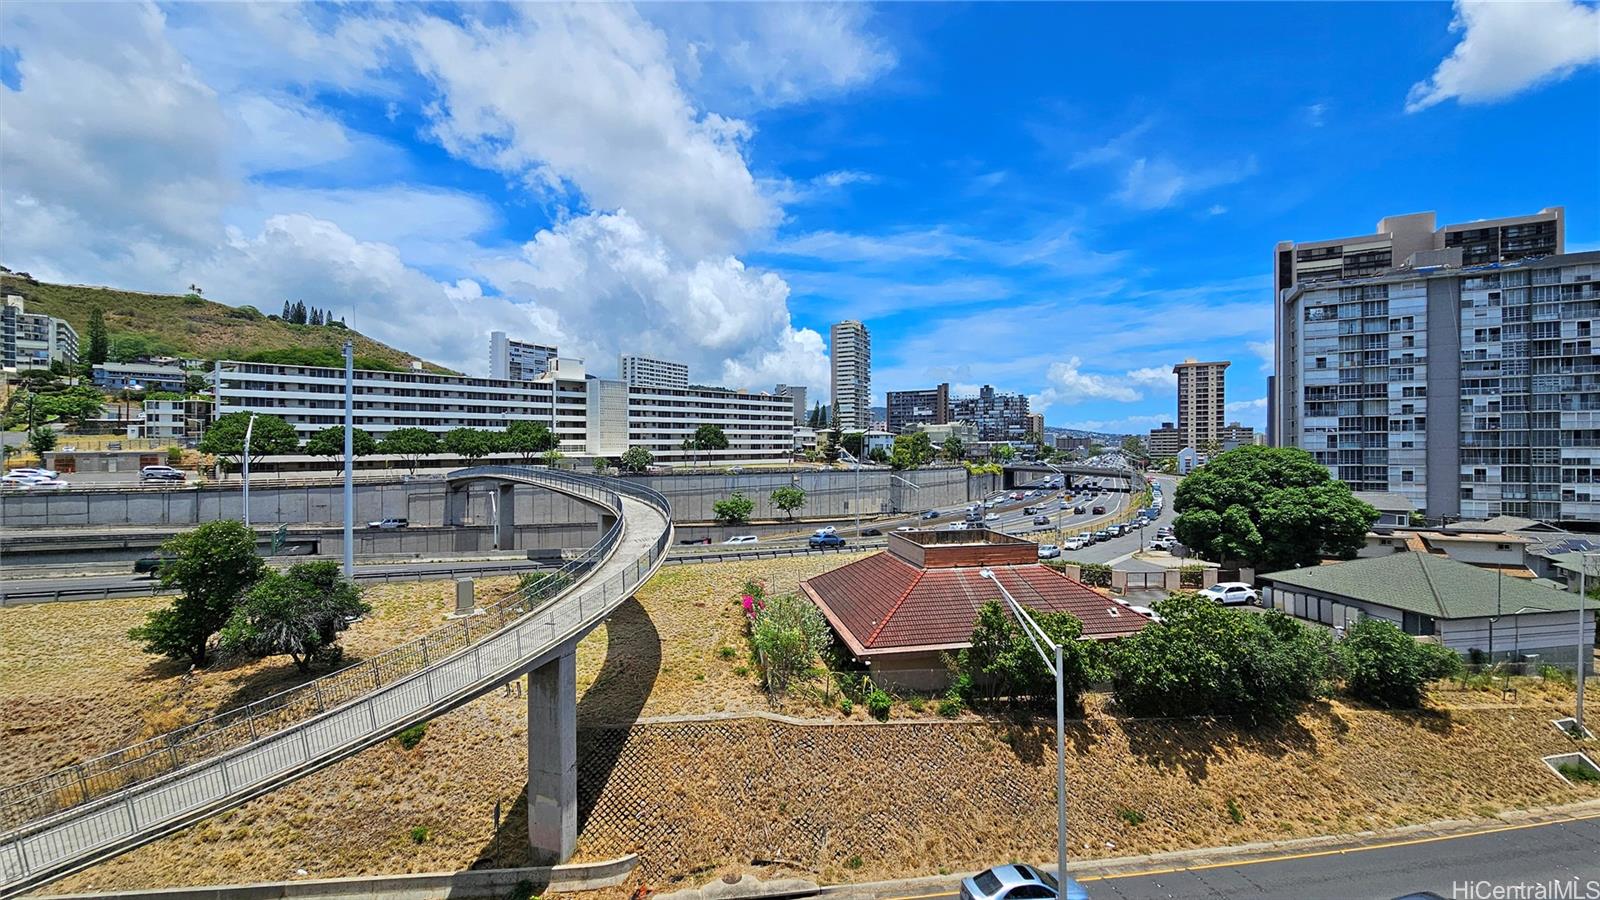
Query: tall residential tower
[850,349]
[1202,402]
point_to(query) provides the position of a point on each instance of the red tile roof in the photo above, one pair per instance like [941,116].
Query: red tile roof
[883,603]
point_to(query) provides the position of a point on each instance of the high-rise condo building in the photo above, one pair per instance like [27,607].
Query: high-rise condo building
[34,340]
[930,407]
[1036,425]
[998,415]
[1202,402]
[1470,388]
[1164,442]
[850,349]
[511,360]
[797,393]
[1395,240]
[642,371]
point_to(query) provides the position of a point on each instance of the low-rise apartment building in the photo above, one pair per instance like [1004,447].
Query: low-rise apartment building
[34,340]
[112,376]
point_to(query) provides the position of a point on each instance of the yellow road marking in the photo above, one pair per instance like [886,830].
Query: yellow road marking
[1286,857]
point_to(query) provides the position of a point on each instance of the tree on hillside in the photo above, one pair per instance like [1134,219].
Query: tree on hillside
[789,498]
[99,338]
[211,567]
[528,439]
[1271,507]
[736,508]
[41,441]
[298,613]
[470,443]
[636,459]
[410,444]
[271,436]
[330,442]
[79,403]
[1003,662]
[1382,664]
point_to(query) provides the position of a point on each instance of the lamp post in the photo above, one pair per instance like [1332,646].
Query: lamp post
[852,457]
[350,460]
[248,429]
[1583,642]
[1060,503]
[1040,639]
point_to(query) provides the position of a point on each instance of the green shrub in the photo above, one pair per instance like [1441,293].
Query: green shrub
[853,862]
[950,707]
[741,671]
[411,737]
[1555,674]
[788,634]
[1006,663]
[174,456]
[1386,666]
[1234,812]
[915,704]
[1578,772]
[1191,577]
[1133,817]
[419,834]
[845,706]
[727,652]
[878,704]
[1204,658]
[1095,574]
[524,890]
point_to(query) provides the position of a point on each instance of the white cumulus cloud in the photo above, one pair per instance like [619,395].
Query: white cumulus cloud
[1508,47]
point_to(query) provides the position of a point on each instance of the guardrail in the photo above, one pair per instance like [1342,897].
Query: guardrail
[102,802]
[718,556]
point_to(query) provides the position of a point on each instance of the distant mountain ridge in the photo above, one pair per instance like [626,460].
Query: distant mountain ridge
[193,326]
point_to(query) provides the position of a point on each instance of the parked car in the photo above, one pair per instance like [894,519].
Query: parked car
[871,532]
[744,539]
[1041,520]
[1099,510]
[1102,535]
[1163,543]
[1049,551]
[931,514]
[825,540]
[1077,543]
[393,523]
[1229,593]
[1019,882]
[160,473]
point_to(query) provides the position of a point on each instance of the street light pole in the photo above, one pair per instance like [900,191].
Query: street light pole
[1583,658]
[1040,640]
[350,460]
[248,429]
[852,457]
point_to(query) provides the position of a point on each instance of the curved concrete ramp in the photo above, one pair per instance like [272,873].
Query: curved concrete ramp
[199,772]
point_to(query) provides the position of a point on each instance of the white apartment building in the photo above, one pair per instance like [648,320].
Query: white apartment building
[511,360]
[758,426]
[34,340]
[850,352]
[176,420]
[589,415]
[646,372]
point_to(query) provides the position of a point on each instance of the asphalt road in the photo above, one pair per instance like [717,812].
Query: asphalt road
[1128,543]
[1448,866]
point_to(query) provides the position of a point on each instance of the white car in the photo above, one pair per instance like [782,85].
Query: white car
[27,471]
[45,484]
[1076,543]
[1163,543]
[826,529]
[741,539]
[1049,551]
[1229,593]
[993,516]
[914,528]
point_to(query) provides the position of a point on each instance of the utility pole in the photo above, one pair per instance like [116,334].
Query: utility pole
[349,460]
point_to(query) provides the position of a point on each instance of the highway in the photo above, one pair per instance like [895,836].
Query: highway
[1565,854]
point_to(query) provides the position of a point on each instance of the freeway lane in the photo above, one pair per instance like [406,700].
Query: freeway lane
[1565,852]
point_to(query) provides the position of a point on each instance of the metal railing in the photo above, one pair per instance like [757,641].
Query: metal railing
[100,803]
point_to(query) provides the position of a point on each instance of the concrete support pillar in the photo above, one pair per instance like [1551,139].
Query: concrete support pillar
[505,523]
[456,497]
[606,521]
[553,759]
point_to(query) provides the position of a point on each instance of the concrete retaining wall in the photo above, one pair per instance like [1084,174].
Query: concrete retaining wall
[471,883]
[831,494]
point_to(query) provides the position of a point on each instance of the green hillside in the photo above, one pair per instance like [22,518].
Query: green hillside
[191,326]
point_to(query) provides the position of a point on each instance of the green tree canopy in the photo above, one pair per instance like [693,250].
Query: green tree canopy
[1384,665]
[637,459]
[789,498]
[789,633]
[1003,662]
[78,403]
[735,508]
[211,566]
[551,457]
[1205,658]
[1005,452]
[271,436]
[528,439]
[710,437]
[953,449]
[471,443]
[1272,507]
[298,613]
[330,442]
[853,442]
[41,440]
[410,444]
[99,340]
[911,451]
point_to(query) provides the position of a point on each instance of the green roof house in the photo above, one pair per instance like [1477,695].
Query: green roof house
[1463,606]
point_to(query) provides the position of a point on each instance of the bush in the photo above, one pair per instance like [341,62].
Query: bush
[845,706]
[1133,817]
[1095,574]
[950,706]
[1578,772]
[411,737]
[1191,577]
[1384,665]
[735,509]
[1204,658]
[727,652]
[1234,812]
[174,456]
[878,704]
[1006,663]
[915,704]
[788,633]
[419,834]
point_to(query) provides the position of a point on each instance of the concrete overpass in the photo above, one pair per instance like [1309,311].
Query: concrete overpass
[1024,472]
[74,817]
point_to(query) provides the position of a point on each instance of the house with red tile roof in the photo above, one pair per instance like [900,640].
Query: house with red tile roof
[901,610]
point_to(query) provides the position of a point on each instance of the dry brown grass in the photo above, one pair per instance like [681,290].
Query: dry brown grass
[73,686]
[698,799]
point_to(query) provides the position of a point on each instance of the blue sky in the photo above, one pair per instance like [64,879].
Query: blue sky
[1057,199]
